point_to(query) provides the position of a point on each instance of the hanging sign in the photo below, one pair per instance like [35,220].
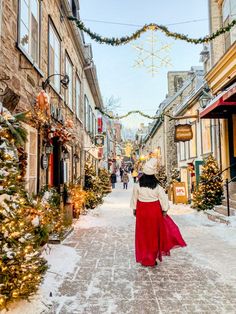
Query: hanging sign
[99,140]
[183,132]
[44,161]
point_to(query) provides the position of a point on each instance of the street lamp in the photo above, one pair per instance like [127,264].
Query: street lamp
[64,81]
[204,99]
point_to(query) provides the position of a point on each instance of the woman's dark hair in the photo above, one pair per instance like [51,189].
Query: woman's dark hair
[148,181]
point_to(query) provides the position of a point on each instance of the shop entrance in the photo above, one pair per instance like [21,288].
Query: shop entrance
[232,144]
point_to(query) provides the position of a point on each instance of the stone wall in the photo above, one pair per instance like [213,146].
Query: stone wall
[25,77]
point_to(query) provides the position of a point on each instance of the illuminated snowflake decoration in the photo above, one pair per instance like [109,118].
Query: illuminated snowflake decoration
[153,54]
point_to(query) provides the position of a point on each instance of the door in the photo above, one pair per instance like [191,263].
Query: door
[232,145]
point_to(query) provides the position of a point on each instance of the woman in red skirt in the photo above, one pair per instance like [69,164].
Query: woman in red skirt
[156,233]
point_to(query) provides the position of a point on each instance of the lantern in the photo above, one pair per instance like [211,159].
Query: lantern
[99,140]
[183,133]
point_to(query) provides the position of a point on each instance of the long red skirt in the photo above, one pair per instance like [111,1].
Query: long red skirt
[155,234]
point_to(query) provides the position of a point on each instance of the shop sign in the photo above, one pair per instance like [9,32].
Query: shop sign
[179,193]
[44,161]
[99,140]
[183,132]
[56,113]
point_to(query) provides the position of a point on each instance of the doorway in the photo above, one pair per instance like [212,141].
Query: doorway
[232,145]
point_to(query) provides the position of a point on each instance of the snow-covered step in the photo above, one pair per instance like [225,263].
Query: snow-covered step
[221,209]
[232,203]
[216,217]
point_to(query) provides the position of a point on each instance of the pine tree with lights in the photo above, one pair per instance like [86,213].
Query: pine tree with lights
[161,176]
[104,177]
[93,187]
[210,189]
[21,266]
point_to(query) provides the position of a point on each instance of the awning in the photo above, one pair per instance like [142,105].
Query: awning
[222,106]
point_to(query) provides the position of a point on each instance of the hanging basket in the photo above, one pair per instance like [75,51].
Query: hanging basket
[183,133]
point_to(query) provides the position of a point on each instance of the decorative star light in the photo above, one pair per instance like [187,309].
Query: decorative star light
[153,54]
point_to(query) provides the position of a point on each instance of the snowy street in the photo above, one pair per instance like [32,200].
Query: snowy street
[94,270]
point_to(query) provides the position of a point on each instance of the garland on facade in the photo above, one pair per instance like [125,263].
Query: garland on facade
[154,27]
[128,114]
[21,264]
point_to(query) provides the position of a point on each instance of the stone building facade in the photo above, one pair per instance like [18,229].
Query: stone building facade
[39,42]
[160,139]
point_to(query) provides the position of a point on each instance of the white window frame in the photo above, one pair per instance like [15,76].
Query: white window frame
[25,19]
[54,42]
[31,155]
[69,90]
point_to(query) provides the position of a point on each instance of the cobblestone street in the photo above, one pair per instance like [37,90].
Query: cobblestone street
[103,276]
[106,279]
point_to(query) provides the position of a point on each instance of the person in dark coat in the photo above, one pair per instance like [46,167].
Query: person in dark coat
[121,173]
[113,179]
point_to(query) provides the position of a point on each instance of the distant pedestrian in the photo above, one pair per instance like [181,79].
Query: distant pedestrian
[156,233]
[125,180]
[134,175]
[113,180]
[121,173]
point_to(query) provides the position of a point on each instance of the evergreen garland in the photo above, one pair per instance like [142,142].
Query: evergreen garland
[152,26]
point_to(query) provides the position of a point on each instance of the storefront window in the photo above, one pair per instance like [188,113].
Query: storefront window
[182,151]
[229,14]
[54,57]
[31,150]
[193,143]
[29,28]
[206,136]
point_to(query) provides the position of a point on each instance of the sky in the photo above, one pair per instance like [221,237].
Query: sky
[135,88]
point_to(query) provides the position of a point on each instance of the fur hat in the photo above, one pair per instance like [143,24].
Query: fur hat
[150,167]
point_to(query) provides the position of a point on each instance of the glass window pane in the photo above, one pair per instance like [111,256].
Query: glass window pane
[35,9]
[54,58]
[34,38]
[24,11]
[24,37]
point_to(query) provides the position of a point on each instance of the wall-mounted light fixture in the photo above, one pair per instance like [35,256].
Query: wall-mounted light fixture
[64,81]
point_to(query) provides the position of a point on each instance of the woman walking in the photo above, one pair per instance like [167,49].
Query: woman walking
[156,233]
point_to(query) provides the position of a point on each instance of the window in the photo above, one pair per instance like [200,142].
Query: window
[29,28]
[54,57]
[31,150]
[182,151]
[229,14]
[91,120]
[74,5]
[206,136]
[78,107]
[86,113]
[193,142]
[69,90]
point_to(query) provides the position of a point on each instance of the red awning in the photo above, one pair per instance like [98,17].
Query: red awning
[222,106]
[230,94]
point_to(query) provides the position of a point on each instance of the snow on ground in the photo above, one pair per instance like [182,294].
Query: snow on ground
[210,245]
[61,260]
